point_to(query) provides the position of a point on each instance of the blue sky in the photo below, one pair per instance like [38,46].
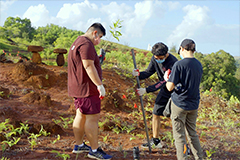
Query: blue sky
[214,25]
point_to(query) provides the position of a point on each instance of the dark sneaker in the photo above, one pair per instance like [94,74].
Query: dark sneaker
[84,148]
[154,143]
[135,153]
[100,154]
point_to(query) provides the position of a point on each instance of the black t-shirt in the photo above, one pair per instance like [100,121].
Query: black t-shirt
[160,69]
[186,74]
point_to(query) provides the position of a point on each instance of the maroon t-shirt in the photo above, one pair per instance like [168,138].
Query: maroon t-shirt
[79,83]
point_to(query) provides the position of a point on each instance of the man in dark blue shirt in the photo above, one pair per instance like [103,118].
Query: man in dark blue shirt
[186,75]
[160,62]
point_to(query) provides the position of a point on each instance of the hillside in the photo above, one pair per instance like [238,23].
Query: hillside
[41,99]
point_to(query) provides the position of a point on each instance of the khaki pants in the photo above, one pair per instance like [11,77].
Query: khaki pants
[183,120]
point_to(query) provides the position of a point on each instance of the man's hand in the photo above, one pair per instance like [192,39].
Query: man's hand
[135,72]
[141,91]
[101,91]
[167,74]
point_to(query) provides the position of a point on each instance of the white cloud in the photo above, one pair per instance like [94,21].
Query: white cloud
[81,15]
[39,15]
[209,36]
[134,25]
[78,15]
[134,19]
[116,11]
[196,20]
[173,5]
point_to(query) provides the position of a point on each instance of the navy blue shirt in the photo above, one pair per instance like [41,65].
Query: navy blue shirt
[160,68]
[186,74]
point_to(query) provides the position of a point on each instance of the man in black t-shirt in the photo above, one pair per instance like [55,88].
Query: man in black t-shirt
[160,62]
[184,81]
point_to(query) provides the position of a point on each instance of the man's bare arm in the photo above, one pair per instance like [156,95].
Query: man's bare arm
[92,71]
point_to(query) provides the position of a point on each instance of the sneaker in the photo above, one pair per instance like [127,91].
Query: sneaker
[135,153]
[84,148]
[100,154]
[155,143]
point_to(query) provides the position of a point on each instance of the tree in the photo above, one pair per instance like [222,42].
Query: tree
[218,73]
[17,27]
[63,42]
[3,32]
[48,34]
[66,38]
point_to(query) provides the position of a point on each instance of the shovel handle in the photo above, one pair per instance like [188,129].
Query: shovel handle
[141,100]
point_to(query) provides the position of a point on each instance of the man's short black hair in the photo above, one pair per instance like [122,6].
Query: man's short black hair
[159,49]
[188,44]
[98,26]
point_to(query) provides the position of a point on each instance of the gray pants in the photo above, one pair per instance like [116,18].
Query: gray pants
[183,120]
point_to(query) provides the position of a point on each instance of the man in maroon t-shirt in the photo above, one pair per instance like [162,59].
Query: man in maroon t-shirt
[85,85]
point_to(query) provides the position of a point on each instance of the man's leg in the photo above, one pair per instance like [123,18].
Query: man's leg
[156,126]
[193,137]
[155,141]
[78,127]
[159,106]
[91,129]
[178,116]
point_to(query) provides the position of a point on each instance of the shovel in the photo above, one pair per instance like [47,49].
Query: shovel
[141,100]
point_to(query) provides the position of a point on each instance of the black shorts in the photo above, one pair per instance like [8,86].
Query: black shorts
[161,101]
[158,109]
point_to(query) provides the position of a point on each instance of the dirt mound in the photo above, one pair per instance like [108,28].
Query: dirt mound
[22,71]
[38,81]
[37,98]
[38,76]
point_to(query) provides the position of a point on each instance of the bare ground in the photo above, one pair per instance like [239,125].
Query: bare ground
[37,95]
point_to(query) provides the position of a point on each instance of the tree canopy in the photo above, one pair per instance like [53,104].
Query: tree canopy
[219,73]
[17,27]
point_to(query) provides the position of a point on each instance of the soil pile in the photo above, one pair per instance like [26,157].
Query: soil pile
[37,98]
[38,76]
